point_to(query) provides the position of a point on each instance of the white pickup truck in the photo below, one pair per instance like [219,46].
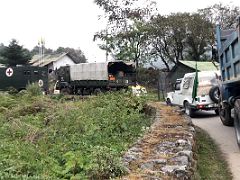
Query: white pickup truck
[207,92]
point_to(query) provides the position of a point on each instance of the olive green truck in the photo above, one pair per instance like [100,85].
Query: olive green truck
[19,77]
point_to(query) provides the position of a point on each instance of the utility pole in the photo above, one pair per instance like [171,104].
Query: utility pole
[41,44]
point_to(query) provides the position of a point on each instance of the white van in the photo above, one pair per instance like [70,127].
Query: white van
[207,92]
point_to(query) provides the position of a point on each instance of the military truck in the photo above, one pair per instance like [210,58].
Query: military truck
[228,43]
[19,77]
[88,78]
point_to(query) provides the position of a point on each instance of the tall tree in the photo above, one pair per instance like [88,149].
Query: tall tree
[124,38]
[222,14]
[199,37]
[14,54]
[167,35]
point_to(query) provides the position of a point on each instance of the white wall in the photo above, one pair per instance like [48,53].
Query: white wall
[65,60]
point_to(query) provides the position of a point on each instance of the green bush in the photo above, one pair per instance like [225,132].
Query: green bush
[57,139]
[33,89]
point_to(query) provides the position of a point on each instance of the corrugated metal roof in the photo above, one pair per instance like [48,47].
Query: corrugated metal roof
[47,59]
[201,65]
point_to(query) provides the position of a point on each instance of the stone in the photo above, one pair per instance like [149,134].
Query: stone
[172,168]
[189,154]
[180,160]
[147,165]
[160,161]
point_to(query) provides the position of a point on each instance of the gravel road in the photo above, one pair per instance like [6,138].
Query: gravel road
[224,136]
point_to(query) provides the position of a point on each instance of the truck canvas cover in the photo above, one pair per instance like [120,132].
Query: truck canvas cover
[89,71]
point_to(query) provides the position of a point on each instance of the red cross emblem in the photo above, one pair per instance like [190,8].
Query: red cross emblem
[9,72]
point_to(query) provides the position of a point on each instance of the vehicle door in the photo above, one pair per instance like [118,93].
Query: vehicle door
[187,88]
[177,92]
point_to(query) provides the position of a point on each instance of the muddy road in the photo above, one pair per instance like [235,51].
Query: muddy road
[224,136]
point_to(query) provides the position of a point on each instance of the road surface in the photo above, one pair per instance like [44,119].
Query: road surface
[224,136]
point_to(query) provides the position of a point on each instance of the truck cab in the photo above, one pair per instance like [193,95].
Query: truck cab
[207,92]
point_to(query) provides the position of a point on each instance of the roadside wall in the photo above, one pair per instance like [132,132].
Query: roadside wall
[166,151]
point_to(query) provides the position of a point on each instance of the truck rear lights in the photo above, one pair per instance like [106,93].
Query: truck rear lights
[200,106]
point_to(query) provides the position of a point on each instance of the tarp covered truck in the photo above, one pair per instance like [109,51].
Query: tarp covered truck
[88,78]
[228,43]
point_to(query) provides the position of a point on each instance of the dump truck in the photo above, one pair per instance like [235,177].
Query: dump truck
[93,78]
[19,77]
[228,44]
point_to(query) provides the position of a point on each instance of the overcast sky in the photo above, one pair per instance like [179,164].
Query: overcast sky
[69,23]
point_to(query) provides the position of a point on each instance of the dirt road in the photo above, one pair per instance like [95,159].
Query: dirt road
[224,136]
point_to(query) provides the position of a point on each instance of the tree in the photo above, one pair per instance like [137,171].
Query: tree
[14,54]
[224,15]
[199,37]
[167,36]
[76,54]
[125,38]
[35,50]
[179,36]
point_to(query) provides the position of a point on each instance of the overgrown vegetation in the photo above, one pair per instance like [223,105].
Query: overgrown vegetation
[52,138]
[210,161]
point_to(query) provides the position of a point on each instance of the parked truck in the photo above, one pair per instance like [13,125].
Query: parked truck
[228,43]
[19,77]
[88,78]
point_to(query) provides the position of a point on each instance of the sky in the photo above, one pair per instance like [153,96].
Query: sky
[70,23]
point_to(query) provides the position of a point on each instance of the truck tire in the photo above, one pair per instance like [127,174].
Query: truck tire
[237,120]
[188,109]
[65,91]
[225,113]
[168,101]
[214,94]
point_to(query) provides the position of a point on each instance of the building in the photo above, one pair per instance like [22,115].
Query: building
[52,62]
[184,67]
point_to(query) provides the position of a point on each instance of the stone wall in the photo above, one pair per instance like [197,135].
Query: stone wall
[166,151]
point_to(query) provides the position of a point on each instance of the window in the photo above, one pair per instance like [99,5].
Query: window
[27,72]
[177,86]
[187,82]
[35,72]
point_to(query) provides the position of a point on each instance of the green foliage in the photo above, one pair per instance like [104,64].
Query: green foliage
[14,54]
[34,89]
[210,160]
[47,138]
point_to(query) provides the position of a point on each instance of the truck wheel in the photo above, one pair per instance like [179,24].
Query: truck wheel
[225,113]
[188,109]
[97,91]
[65,91]
[237,120]
[168,101]
[214,94]
[216,111]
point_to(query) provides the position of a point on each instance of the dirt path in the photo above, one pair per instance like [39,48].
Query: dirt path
[224,136]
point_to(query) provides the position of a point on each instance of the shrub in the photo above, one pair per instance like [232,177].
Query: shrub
[59,139]
[33,89]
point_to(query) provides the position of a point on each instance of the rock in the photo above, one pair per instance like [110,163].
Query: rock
[172,168]
[160,161]
[147,165]
[130,157]
[180,160]
[189,154]
[135,149]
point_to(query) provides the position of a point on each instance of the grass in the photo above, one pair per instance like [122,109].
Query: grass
[54,138]
[211,164]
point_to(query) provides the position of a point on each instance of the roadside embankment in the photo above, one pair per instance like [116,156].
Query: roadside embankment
[166,151]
